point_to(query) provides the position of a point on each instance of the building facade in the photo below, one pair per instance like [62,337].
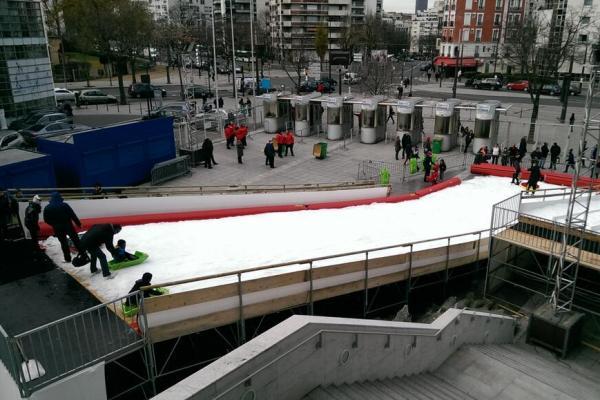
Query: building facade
[294,23]
[26,82]
[421,5]
[474,32]
[424,32]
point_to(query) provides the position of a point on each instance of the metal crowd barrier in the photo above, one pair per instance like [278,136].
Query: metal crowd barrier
[170,169]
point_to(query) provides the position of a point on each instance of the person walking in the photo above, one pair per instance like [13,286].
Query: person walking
[570,160]
[517,167]
[93,239]
[207,152]
[32,217]
[495,153]
[406,146]
[229,135]
[221,102]
[242,105]
[270,154]
[468,139]
[429,78]
[390,116]
[534,176]
[289,143]
[504,156]
[572,121]
[544,154]
[60,216]
[279,139]
[239,146]
[397,146]
[554,154]
[248,107]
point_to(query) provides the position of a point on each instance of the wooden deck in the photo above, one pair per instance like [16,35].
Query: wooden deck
[547,246]
[192,311]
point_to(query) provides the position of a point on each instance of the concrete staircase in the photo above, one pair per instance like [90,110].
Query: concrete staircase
[498,372]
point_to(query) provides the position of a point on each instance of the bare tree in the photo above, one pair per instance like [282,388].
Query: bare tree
[538,47]
[53,10]
[376,75]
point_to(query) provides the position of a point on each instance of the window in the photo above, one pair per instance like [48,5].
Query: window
[587,2]
[498,4]
[481,4]
[585,20]
[479,19]
[478,35]
[497,19]
[465,35]
[467,19]
[476,52]
[583,38]
[495,35]
[468,4]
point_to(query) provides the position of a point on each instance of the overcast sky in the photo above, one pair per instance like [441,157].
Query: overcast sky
[400,5]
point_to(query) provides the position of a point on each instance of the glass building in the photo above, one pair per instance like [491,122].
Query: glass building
[25,72]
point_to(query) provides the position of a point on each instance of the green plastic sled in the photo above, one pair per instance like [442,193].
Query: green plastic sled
[131,310]
[141,257]
[412,164]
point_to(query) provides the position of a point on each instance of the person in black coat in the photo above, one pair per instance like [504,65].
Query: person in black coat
[554,153]
[98,235]
[270,154]
[517,166]
[522,147]
[544,150]
[32,217]
[140,283]
[8,209]
[570,160]
[397,146]
[534,177]
[239,146]
[60,216]
[406,145]
[427,161]
[208,153]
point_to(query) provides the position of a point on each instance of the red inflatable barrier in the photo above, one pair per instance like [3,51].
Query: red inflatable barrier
[492,169]
[439,186]
[351,203]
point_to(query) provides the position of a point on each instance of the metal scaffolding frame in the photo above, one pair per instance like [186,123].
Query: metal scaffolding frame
[566,267]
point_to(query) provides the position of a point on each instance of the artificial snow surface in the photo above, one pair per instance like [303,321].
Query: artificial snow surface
[181,250]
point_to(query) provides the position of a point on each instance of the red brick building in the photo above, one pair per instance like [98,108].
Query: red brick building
[475,30]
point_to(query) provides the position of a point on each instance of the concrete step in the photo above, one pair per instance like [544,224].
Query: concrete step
[380,390]
[408,390]
[546,370]
[440,386]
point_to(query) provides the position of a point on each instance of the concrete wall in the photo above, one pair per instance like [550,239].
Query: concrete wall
[305,352]
[88,384]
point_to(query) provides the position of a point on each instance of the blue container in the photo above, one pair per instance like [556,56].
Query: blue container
[119,155]
[25,169]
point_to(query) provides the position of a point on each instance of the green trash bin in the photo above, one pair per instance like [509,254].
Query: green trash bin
[436,146]
[384,176]
[320,150]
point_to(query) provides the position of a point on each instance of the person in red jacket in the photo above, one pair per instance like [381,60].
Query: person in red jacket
[280,139]
[289,143]
[229,135]
[244,134]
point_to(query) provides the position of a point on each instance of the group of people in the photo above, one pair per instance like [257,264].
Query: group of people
[245,106]
[434,171]
[404,144]
[238,134]
[284,142]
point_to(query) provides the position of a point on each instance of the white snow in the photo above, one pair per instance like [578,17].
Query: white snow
[189,249]
[556,210]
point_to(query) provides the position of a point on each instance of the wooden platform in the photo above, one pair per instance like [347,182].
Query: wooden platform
[192,311]
[547,246]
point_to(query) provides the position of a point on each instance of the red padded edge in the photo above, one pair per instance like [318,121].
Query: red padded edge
[142,219]
[439,186]
[492,169]
[351,203]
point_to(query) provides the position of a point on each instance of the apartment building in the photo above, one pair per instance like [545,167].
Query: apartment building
[476,30]
[26,82]
[425,30]
[402,21]
[293,23]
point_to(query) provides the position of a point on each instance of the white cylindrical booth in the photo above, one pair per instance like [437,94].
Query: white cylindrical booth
[373,118]
[305,123]
[409,118]
[276,112]
[486,124]
[446,125]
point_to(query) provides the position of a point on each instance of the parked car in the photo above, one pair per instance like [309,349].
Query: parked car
[62,95]
[96,97]
[574,89]
[470,81]
[222,70]
[487,83]
[311,86]
[177,110]
[49,130]
[144,90]
[553,89]
[198,92]
[38,118]
[10,139]
[522,86]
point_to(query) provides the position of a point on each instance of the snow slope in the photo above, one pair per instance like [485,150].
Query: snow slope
[198,248]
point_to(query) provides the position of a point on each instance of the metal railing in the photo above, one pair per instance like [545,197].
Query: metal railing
[149,191]
[51,352]
[170,169]
[400,170]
